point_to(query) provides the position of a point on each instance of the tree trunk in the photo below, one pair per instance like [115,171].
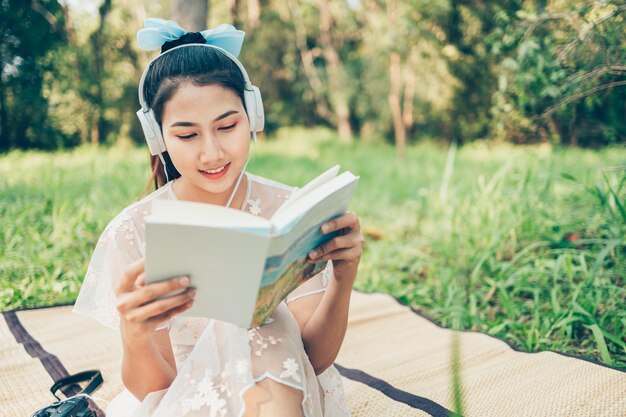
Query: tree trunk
[192,15]
[254,13]
[94,134]
[4,134]
[572,134]
[233,11]
[395,78]
[395,90]
[97,43]
[336,75]
[68,24]
[409,97]
[321,102]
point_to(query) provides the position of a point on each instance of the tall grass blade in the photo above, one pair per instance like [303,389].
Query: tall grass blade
[456,374]
[601,343]
[599,261]
[616,199]
[447,173]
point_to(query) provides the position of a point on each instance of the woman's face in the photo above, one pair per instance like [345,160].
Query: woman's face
[207,136]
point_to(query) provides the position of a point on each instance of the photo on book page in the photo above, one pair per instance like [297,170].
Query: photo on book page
[285,272]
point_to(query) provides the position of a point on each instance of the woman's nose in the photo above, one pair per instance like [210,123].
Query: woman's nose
[211,149]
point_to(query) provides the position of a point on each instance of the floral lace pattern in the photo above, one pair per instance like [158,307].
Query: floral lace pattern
[216,362]
[259,342]
[255,206]
[291,370]
[207,395]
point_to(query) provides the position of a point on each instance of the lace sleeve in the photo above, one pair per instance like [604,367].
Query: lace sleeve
[315,285]
[118,246]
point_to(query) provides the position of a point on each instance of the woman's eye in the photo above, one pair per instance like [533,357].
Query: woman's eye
[187,136]
[227,128]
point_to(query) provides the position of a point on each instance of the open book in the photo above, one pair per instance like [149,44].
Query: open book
[242,265]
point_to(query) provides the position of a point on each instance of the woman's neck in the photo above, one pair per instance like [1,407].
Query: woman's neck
[184,190]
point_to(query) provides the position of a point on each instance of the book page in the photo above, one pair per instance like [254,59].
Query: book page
[343,185]
[209,215]
[309,187]
[286,266]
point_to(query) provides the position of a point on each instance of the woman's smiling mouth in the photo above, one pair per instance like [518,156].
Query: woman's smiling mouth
[215,174]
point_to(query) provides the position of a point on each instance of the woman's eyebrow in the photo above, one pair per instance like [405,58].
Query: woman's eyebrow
[220,117]
[228,113]
[182,124]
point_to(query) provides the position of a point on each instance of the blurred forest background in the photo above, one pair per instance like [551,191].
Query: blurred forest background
[397,71]
[527,243]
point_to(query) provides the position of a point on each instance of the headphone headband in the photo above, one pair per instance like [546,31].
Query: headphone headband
[142,99]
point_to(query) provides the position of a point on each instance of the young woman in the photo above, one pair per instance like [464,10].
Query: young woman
[199,111]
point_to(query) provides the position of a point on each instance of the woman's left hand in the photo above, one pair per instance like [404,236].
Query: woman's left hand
[345,250]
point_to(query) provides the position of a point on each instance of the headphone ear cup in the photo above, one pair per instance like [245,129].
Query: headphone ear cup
[160,142]
[254,109]
[151,131]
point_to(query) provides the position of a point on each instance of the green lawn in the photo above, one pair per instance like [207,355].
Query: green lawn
[527,244]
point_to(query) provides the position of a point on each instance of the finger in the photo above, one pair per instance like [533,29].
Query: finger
[351,254]
[127,281]
[159,307]
[350,220]
[155,321]
[148,293]
[339,242]
[141,280]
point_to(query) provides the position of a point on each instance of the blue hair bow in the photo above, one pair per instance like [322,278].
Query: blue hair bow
[158,31]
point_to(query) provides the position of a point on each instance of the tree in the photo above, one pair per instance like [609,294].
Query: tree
[97,40]
[392,70]
[468,26]
[564,78]
[190,14]
[329,82]
[29,32]
[91,79]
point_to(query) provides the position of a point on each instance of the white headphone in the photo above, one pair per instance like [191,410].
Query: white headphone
[252,103]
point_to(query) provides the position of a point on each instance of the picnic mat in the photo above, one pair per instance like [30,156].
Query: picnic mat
[393,362]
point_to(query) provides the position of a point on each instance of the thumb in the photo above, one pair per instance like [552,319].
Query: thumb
[129,277]
[141,280]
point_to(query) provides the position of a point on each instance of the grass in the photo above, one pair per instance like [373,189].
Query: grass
[524,243]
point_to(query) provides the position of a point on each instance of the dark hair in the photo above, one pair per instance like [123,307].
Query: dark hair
[197,65]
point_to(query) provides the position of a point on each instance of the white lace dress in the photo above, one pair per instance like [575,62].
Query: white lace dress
[216,361]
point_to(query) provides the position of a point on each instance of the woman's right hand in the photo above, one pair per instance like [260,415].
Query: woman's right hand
[140,313]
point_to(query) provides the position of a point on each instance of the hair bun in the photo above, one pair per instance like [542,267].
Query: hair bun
[190,37]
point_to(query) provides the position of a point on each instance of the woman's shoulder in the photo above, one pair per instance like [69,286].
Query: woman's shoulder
[128,223]
[266,195]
